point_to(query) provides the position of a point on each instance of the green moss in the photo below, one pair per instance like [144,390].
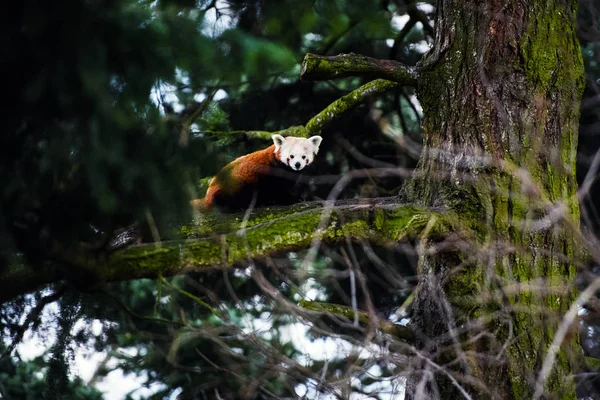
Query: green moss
[549,32]
[297,131]
[379,219]
[156,260]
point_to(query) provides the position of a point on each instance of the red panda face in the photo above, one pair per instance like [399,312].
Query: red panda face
[297,153]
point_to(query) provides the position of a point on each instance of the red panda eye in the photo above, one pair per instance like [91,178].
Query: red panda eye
[304,157]
[292,156]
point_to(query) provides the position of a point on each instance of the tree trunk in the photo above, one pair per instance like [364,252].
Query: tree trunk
[500,92]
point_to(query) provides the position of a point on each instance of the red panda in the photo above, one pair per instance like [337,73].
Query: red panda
[262,174]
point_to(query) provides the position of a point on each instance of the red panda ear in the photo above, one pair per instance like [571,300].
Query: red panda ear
[278,140]
[316,142]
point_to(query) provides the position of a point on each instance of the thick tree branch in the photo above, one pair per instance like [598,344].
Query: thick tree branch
[321,68]
[267,233]
[227,240]
[189,116]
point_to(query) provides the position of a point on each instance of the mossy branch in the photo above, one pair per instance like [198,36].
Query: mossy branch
[229,240]
[347,102]
[320,68]
[399,331]
[297,131]
[333,111]
[317,67]
[235,242]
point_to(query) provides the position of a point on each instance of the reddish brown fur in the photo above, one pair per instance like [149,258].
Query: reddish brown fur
[244,171]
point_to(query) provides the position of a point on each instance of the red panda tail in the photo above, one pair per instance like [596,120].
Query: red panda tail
[201,205]
[206,203]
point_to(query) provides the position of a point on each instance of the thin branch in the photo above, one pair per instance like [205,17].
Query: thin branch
[143,317]
[190,115]
[564,329]
[101,368]
[191,296]
[343,104]
[329,45]
[398,331]
[400,38]
[419,16]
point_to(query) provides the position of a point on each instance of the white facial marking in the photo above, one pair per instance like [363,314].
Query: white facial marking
[297,153]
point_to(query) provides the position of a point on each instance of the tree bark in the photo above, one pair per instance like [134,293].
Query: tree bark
[500,92]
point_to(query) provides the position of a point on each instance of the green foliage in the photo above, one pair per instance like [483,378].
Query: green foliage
[27,380]
[46,376]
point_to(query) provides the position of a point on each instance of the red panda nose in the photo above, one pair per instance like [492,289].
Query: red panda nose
[297,165]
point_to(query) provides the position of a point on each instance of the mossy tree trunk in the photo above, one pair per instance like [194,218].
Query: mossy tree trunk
[500,92]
